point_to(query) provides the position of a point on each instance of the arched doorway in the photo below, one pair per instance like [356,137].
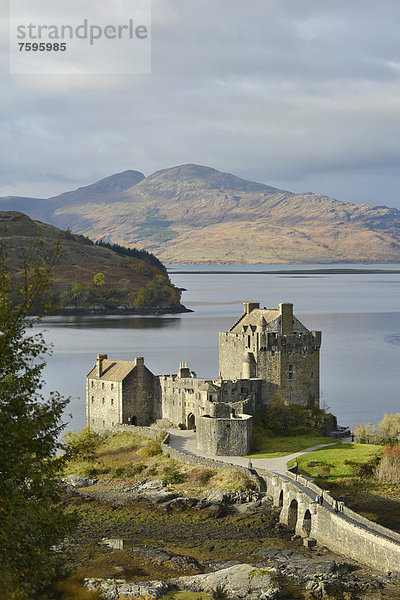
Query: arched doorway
[191,421]
[281,498]
[292,516]
[307,523]
[133,420]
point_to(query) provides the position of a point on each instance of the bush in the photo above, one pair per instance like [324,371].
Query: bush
[366,469]
[152,448]
[172,474]
[324,471]
[81,445]
[200,475]
[220,593]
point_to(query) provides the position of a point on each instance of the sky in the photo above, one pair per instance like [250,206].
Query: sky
[301,95]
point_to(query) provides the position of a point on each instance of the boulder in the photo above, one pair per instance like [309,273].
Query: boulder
[241,581]
[79,481]
[111,589]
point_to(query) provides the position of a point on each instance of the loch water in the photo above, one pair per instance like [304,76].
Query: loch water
[358,313]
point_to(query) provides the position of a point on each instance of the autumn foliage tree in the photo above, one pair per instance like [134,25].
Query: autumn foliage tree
[31,517]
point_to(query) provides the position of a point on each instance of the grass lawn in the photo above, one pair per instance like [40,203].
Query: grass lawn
[284,445]
[335,462]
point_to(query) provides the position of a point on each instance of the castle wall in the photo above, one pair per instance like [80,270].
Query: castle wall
[224,436]
[300,372]
[138,395]
[232,347]
[184,400]
[287,364]
[103,404]
[181,398]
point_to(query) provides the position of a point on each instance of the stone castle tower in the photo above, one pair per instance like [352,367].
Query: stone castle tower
[267,354]
[272,345]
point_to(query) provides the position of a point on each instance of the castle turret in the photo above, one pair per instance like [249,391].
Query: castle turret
[249,365]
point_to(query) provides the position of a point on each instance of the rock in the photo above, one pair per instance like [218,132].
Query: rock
[248,507]
[112,589]
[157,484]
[79,481]
[240,581]
[228,496]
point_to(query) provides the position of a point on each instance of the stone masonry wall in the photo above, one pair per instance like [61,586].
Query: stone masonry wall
[224,436]
[103,404]
[138,395]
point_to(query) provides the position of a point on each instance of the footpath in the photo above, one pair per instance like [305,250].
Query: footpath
[185,441]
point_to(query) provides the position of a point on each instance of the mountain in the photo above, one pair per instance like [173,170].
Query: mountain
[130,280]
[196,214]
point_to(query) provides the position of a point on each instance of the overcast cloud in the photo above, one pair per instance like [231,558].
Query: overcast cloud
[300,94]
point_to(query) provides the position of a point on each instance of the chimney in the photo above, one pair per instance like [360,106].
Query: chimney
[183,371]
[99,364]
[139,361]
[250,306]
[286,313]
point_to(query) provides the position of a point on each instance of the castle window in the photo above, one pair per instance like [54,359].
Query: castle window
[92,398]
[102,400]
[312,375]
[102,386]
[248,341]
[290,371]
[104,423]
[112,386]
[92,383]
[112,401]
[112,423]
[92,420]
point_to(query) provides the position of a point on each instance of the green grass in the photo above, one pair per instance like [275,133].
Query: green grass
[274,447]
[336,462]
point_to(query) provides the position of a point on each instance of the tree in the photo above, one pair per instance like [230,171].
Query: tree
[31,517]
[99,280]
[389,427]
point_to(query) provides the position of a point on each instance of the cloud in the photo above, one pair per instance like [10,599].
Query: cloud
[300,94]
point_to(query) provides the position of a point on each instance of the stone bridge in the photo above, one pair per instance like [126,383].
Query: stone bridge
[344,532]
[341,530]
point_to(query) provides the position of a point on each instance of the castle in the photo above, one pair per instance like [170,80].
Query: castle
[267,354]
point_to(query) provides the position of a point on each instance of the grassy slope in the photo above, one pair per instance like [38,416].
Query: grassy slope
[375,500]
[274,447]
[81,260]
[340,459]
[133,458]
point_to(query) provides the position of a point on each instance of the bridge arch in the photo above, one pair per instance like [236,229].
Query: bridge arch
[292,514]
[306,527]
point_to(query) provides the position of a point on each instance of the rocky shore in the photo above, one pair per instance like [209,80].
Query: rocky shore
[151,541]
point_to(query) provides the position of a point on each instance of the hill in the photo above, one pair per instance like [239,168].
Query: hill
[127,280]
[196,214]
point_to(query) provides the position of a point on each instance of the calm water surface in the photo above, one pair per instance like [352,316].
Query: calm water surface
[359,316]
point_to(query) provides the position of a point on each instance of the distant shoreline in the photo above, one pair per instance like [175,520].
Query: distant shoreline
[101,311]
[334,271]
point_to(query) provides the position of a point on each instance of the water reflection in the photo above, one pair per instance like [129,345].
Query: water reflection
[112,322]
